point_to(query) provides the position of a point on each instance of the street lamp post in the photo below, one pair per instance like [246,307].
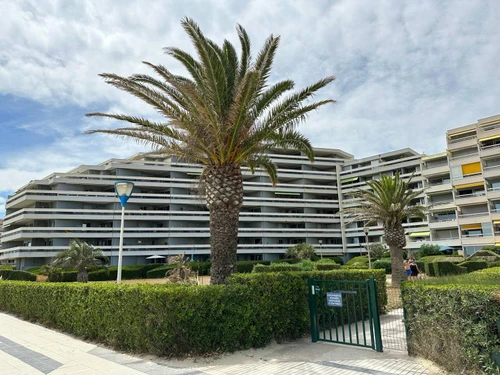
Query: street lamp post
[321,248]
[367,230]
[123,190]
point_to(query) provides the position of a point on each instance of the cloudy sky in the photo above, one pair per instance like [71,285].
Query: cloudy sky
[406,70]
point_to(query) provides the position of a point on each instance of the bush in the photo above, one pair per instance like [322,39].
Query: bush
[363,259]
[202,268]
[493,264]
[495,249]
[472,265]
[327,266]
[247,265]
[177,320]
[159,273]
[286,260]
[355,266]
[17,275]
[8,267]
[429,269]
[283,267]
[447,268]
[426,250]
[338,260]
[486,255]
[383,264]
[301,251]
[453,324]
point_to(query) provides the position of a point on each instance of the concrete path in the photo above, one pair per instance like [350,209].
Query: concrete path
[27,348]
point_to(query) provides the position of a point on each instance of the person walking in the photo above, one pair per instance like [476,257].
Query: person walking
[406,264]
[414,271]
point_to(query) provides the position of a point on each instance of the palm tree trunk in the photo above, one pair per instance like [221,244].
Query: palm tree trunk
[82,276]
[395,238]
[224,192]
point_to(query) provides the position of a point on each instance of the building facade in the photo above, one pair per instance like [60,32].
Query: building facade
[167,214]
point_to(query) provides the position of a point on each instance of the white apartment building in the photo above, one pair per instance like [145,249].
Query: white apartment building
[166,214]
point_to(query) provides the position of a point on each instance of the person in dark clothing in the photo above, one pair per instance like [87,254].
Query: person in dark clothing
[414,271]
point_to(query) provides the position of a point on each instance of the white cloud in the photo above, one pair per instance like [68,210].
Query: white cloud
[406,71]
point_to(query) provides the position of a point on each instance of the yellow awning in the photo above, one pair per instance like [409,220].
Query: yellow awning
[471,226]
[435,156]
[496,221]
[475,184]
[497,244]
[471,168]
[488,138]
[462,132]
[420,234]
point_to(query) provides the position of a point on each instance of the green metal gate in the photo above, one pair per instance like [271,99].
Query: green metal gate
[345,312]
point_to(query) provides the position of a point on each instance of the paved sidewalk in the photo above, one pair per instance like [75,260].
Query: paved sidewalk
[27,348]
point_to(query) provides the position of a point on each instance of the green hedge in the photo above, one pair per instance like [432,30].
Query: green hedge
[159,272]
[8,267]
[17,275]
[280,267]
[453,324]
[327,266]
[447,269]
[285,277]
[493,264]
[357,266]
[383,264]
[474,265]
[246,266]
[287,260]
[363,259]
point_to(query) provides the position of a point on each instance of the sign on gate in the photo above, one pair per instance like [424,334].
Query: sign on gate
[345,312]
[334,299]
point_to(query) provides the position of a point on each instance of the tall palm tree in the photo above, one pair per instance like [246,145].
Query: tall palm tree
[225,116]
[81,256]
[388,200]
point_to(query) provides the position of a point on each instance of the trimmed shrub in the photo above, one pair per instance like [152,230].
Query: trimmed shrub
[246,266]
[287,277]
[495,249]
[281,267]
[250,311]
[429,269]
[159,273]
[453,324]
[447,269]
[327,266]
[338,260]
[287,260]
[363,259]
[7,267]
[383,264]
[474,265]
[421,266]
[203,268]
[17,275]
[355,266]
[493,264]
[486,255]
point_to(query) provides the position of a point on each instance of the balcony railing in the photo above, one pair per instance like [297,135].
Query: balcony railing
[489,147]
[458,140]
[464,156]
[435,165]
[478,194]
[474,214]
[467,175]
[491,167]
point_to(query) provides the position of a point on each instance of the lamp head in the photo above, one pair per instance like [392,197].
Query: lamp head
[320,241]
[124,190]
[367,230]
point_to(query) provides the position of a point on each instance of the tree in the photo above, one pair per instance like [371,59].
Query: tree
[81,256]
[301,251]
[428,249]
[389,201]
[225,116]
[377,250]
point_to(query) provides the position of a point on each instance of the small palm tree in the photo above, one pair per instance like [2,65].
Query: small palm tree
[81,256]
[225,116]
[388,202]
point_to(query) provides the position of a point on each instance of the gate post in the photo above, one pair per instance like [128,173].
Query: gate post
[376,314]
[313,309]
